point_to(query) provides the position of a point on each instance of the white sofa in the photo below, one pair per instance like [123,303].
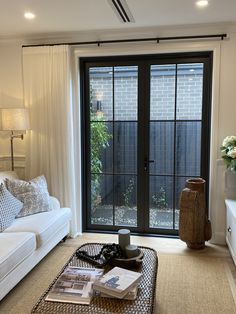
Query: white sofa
[28,240]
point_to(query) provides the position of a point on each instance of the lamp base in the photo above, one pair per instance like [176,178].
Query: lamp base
[21,136]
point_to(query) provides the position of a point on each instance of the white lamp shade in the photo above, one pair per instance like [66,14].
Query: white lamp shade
[14,119]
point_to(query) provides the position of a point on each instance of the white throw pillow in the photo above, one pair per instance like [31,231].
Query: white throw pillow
[33,194]
[9,208]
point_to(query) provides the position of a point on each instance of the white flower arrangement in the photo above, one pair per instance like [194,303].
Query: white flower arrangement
[228,150]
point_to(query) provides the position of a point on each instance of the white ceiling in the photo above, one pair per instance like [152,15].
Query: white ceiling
[56,16]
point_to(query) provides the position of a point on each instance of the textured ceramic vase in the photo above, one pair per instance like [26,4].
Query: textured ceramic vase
[194,226]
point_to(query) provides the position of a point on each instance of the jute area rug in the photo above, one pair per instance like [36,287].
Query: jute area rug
[185,284]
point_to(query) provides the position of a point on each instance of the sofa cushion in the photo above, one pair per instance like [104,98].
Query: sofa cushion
[9,207]
[7,175]
[54,203]
[33,194]
[44,225]
[14,249]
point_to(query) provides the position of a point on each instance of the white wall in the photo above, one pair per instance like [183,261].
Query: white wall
[11,94]
[226,126]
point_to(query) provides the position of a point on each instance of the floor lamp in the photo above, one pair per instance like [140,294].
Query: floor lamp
[14,119]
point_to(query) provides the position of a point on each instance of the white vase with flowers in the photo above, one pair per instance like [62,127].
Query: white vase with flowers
[228,150]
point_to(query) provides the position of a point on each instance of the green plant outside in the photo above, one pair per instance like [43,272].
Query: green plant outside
[99,140]
[160,199]
[128,193]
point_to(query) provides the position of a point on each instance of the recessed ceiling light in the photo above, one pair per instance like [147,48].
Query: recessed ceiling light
[29,15]
[191,70]
[202,3]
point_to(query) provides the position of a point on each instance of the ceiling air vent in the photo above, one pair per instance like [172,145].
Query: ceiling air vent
[122,11]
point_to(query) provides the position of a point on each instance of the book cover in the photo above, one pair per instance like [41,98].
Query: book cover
[117,282]
[131,294]
[75,285]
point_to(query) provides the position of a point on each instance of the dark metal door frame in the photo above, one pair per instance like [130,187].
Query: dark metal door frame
[144,63]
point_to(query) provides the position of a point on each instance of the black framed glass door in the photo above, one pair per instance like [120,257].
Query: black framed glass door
[146,126]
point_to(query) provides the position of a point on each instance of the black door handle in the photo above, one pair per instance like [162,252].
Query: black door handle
[146,163]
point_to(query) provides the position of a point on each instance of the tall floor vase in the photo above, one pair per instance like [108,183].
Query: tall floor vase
[194,226]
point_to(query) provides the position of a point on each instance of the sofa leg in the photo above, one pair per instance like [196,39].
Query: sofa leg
[64,239]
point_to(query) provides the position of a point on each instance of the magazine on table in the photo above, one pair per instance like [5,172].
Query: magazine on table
[74,285]
[117,282]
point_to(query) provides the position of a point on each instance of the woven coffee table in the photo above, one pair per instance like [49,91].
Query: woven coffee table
[143,304]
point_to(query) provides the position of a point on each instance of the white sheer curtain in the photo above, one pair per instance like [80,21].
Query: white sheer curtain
[52,141]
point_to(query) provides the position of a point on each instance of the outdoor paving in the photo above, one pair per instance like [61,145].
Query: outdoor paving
[128,217]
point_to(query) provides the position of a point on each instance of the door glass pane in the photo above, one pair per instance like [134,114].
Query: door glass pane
[175,146]
[188,148]
[161,147]
[125,190]
[189,91]
[126,92]
[162,102]
[101,93]
[161,202]
[101,146]
[101,199]
[161,151]
[125,144]
[113,145]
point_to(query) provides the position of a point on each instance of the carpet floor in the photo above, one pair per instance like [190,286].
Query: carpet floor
[186,283]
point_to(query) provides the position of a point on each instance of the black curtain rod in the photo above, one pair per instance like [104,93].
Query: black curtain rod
[157,39]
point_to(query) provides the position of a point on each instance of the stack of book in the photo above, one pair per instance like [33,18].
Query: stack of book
[79,285]
[118,283]
[74,285]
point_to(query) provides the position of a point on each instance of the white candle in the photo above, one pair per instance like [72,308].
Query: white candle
[131,251]
[124,238]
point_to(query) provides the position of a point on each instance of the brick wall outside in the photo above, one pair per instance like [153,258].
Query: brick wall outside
[189,96]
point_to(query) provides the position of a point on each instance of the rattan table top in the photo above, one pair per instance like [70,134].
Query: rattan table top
[143,304]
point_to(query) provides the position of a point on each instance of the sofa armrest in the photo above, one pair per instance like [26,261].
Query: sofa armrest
[54,203]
